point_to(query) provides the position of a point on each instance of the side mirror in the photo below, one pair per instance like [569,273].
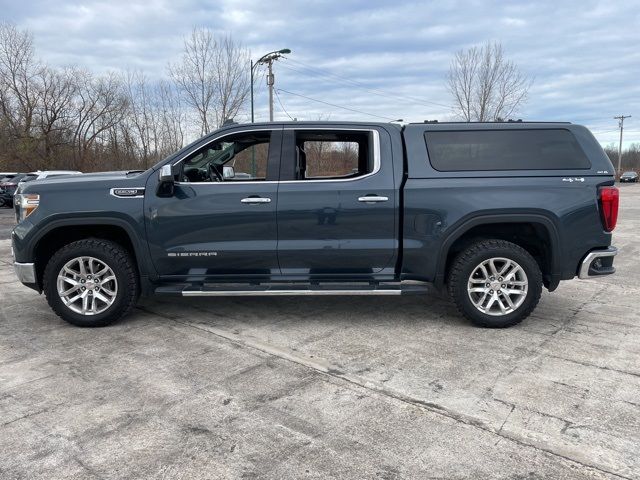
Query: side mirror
[166,181]
[166,174]
[228,172]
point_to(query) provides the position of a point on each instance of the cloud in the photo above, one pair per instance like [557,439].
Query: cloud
[380,57]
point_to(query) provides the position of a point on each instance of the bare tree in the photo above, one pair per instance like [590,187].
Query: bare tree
[172,118]
[194,75]
[485,85]
[212,77]
[141,119]
[19,72]
[99,106]
[154,118]
[231,77]
[57,89]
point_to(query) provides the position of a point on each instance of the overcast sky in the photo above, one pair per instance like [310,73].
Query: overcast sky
[382,58]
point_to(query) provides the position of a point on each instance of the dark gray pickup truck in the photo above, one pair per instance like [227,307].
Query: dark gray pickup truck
[491,212]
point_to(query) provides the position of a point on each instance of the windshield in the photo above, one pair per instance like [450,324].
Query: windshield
[219,155]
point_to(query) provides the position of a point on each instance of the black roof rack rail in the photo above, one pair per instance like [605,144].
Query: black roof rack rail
[496,121]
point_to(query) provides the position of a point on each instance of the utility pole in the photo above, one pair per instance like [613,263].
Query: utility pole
[621,125]
[252,119]
[270,81]
[267,58]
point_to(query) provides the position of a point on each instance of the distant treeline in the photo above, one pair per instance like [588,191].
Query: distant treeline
[630,157]
[70,118]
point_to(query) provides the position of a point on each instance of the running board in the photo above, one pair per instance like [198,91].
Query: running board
[235,290]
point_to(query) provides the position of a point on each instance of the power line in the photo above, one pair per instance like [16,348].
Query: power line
[368,89]
[360,85]
[281,105]
[606,131]
[334,105]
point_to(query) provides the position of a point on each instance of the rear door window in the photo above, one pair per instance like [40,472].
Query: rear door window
[521,149]
[332,155]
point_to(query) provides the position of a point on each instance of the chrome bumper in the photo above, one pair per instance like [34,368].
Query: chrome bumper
[597,263]
[26,272]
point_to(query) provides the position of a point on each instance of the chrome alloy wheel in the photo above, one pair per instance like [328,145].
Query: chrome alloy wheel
[497,286]
[87,285]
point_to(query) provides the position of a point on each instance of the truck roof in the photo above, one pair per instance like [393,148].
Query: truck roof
[400,125]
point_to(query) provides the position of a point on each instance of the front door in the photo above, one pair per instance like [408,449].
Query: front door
[220,221]
[337,204]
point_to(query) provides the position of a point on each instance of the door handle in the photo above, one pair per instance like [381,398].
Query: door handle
[373,199]
[255,200]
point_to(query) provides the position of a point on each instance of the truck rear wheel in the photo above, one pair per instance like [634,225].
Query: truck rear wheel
[495,283]
[91,282]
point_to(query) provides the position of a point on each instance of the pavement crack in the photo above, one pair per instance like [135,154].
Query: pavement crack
[32,414]
[499,432]
[326,368]
[593,365]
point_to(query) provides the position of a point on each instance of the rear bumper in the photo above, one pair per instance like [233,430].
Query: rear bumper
[597,263]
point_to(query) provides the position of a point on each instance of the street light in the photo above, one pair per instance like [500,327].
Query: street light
[267,58]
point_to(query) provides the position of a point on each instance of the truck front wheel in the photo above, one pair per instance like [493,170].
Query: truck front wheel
[91,282]
[495,283]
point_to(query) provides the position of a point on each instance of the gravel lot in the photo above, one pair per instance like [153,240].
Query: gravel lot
[326,388]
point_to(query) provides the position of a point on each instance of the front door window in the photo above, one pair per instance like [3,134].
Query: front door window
[243,157]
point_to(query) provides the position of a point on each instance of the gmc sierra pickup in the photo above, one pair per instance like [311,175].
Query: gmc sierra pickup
[491,212]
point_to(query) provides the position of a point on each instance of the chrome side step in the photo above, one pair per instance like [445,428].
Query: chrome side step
[268,293]
[264,290]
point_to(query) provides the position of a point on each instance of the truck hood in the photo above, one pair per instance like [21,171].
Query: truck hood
[115,179]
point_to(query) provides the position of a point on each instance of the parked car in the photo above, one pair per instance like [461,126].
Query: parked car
[491,212]
[8,186]
[42,174]
[629,177]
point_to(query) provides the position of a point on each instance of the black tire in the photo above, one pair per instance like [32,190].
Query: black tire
[111,254]
[468,260]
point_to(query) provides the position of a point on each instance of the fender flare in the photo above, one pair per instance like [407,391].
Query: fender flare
[466,224]
[141,252]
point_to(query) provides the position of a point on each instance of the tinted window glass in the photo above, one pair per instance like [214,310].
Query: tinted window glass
[548,149]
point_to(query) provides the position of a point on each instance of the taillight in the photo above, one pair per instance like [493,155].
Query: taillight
[609,201]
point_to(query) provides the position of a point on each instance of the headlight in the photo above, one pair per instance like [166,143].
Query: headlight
[25,204]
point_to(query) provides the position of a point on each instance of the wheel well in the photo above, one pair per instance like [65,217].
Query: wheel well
[533,237]
[52,241]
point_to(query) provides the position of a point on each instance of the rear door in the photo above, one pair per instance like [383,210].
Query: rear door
[337,205]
